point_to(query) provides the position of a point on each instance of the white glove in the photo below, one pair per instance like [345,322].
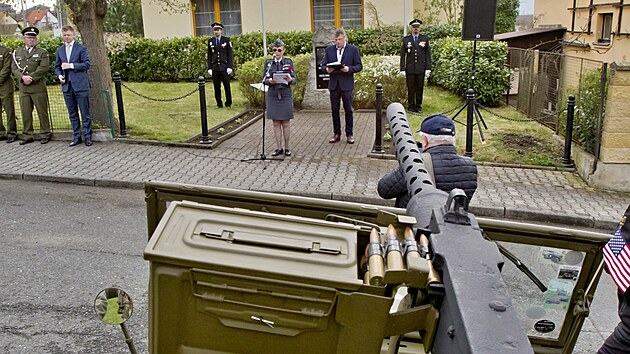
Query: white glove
[427,73]
[210,72]
[229,71]
[402,73]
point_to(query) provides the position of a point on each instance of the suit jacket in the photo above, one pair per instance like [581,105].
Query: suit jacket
[350,58]
[77,77]
[415,58]
[7,86]
[221,56]
[36,64]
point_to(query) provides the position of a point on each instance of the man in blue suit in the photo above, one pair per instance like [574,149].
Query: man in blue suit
[341,61]
[71,65]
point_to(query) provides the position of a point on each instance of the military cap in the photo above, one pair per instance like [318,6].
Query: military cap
[217,25]
[30,31]
[438,124]
[278,43]
[415,22]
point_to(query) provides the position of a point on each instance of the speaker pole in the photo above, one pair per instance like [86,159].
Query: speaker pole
[474,58]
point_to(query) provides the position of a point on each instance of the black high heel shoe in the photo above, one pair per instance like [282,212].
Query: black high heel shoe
[278,152]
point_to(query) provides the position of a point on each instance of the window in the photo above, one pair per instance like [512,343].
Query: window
[228,12]
[606,29]
[338,13]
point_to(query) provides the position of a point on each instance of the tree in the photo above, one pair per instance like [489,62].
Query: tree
[124,16]
[507,12]
[451,11]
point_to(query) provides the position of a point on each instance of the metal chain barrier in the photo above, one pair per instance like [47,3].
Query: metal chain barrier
[535,119]
[159,99]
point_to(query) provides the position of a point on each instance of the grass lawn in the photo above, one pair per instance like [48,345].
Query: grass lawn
[176,120]
[506,141]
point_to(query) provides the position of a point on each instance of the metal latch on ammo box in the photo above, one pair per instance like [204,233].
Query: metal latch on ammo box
[274,242]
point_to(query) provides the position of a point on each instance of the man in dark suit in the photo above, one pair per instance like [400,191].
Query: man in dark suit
[415,64]
[341,61]
[71,65]
[220,63]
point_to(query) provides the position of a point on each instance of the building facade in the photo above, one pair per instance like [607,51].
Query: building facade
[596,29]
[243,16]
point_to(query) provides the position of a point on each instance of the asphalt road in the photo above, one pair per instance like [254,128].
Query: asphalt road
[62,244]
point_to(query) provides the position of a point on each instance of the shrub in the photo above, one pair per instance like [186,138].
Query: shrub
[586,109]
[379,69]
[251,72]
[452,63]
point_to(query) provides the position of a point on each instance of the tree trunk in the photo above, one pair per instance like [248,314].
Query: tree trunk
[89,16]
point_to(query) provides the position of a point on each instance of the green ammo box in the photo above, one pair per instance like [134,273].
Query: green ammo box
[229,280]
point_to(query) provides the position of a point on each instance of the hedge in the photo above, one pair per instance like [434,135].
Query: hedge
[142,59]
[452,64]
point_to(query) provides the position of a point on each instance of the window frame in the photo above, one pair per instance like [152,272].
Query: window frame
[337,14]
[217,16]
[605,18]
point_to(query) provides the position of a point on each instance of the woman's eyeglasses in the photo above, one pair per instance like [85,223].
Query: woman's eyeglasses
[277,49]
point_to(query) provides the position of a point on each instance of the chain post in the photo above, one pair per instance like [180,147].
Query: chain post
[204,112]
[568,134]
[470,102]
[378,140]
[119,103]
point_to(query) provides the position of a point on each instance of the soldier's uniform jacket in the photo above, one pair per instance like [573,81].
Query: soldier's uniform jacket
[220,56]
[36,64]
[415,58]
[6,81]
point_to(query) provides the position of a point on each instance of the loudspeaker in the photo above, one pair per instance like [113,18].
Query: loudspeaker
[479,19]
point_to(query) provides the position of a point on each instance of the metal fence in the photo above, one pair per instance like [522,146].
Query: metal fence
[100,100]
[542,81]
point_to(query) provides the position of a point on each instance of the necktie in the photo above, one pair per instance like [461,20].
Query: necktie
[29,50]
[68,51]
[218,41]
[415,39]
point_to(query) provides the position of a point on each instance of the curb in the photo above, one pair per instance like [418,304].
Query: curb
[479,211]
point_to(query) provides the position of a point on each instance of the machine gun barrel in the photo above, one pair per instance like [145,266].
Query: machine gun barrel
[476,314]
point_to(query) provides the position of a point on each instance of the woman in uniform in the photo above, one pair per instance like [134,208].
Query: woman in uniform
[279,75]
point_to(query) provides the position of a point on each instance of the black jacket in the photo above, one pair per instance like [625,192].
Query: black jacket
[451,171]
[415,58]
[221,56]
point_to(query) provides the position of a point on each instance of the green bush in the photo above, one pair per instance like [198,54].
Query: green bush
[586,109]
[452,64]
[379,69]
[251,72]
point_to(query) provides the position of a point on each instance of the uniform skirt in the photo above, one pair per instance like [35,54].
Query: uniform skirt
[280,102]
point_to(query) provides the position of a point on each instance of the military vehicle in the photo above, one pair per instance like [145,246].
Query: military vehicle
[234,271]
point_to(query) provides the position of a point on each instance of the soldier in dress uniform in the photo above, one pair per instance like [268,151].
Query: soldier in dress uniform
[30,66]
[7,87]
[415,64]
[220,63]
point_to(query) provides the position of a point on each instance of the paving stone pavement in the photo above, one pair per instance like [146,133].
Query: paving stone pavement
[335,171]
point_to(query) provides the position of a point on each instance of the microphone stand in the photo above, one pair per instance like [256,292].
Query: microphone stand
[262,156]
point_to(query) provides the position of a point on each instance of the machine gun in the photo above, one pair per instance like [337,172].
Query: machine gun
[476,314]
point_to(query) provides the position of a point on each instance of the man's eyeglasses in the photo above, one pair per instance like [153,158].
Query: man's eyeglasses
[277,49]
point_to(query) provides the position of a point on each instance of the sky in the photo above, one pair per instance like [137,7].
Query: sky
[527,7]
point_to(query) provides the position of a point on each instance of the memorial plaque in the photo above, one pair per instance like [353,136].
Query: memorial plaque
[322,78]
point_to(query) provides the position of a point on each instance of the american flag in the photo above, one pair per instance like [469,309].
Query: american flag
[617,258]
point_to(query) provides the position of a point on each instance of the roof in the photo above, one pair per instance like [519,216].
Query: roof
[527,32]
[36,15]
